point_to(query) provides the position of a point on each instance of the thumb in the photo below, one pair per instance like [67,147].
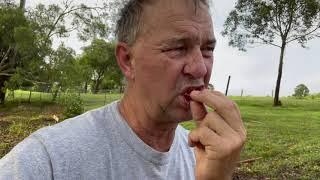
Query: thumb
[198,111]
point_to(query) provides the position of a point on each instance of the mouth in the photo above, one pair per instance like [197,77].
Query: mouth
[187,91]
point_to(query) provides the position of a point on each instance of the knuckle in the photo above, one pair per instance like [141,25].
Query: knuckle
[228,105]
[229,148]
[231,105]
[239,142]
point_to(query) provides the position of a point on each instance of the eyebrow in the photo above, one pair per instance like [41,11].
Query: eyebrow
[211,42]
[183,39]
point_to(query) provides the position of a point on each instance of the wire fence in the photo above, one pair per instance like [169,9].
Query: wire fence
[90,100]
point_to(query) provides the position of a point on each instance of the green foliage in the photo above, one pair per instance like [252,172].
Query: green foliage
[16,39]
[72,104]
[26,38]
[100,57]
[301,91]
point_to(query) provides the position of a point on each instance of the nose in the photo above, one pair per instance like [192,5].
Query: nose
[195,67]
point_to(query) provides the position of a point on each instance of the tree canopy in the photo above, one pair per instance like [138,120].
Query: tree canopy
[27,56]
[301,91]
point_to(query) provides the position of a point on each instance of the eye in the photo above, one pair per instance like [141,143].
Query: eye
[177,51]
[207,52]
[179,48]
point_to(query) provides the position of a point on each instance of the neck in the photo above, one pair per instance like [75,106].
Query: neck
[152,131]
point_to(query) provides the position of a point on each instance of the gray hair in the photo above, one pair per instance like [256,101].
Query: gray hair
[129,23]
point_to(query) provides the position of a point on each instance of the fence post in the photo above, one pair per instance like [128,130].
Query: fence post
[226,94]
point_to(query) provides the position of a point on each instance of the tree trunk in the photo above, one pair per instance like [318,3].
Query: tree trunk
[22,4]
[98,82]
[2,90]
[86,87]
[96,86]
[30,92]
[276,101]
[55,93]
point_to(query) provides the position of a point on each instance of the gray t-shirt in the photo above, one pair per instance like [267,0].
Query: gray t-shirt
[96,145]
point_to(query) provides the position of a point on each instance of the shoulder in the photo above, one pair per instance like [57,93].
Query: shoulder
[61,148]
[28,160]
[90,123]
[81,131]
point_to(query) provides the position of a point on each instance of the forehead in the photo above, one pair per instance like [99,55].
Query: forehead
[180,17]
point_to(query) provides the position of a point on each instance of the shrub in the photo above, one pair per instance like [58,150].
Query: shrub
[72,104]
[301,91]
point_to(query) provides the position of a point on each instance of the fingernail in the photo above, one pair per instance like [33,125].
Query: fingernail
[195,93]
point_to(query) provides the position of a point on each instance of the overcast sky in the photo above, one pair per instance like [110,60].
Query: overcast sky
[254,71]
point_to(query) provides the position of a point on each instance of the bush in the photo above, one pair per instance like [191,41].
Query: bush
[72,104]
[301,91]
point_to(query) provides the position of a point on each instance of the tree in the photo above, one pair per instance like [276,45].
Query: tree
[85,71]
[273,22]
[301,91]
[101,58]
[17,42]
[35,29]
[61,70]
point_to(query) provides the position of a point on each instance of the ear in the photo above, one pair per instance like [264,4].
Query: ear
[124,60]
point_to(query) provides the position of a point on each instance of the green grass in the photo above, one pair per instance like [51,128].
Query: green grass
[285,140]
[91,101]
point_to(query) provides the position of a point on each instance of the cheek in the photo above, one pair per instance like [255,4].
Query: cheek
[209,65]
[159,71]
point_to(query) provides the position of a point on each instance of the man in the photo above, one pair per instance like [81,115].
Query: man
[165,51]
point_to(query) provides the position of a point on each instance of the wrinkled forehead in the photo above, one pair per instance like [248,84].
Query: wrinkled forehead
[162,7]
[178,15]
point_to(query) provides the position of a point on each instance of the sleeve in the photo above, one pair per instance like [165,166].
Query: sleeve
[28,160]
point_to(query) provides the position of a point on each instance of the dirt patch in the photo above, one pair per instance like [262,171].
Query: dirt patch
[4,124]
[17,121]
[2,114]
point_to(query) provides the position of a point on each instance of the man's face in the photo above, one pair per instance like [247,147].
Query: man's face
[172,56]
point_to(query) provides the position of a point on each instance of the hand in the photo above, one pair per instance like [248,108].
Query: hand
[218,137]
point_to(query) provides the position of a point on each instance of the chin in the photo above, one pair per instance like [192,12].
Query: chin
[181,116]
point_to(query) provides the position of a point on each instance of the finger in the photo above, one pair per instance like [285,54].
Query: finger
[202,135]
[217,124]
[222,95]
[226,108]
[198,111]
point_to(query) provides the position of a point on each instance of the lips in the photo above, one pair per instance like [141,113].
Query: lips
[187,91]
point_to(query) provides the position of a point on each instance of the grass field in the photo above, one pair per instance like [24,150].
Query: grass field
[284,142]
